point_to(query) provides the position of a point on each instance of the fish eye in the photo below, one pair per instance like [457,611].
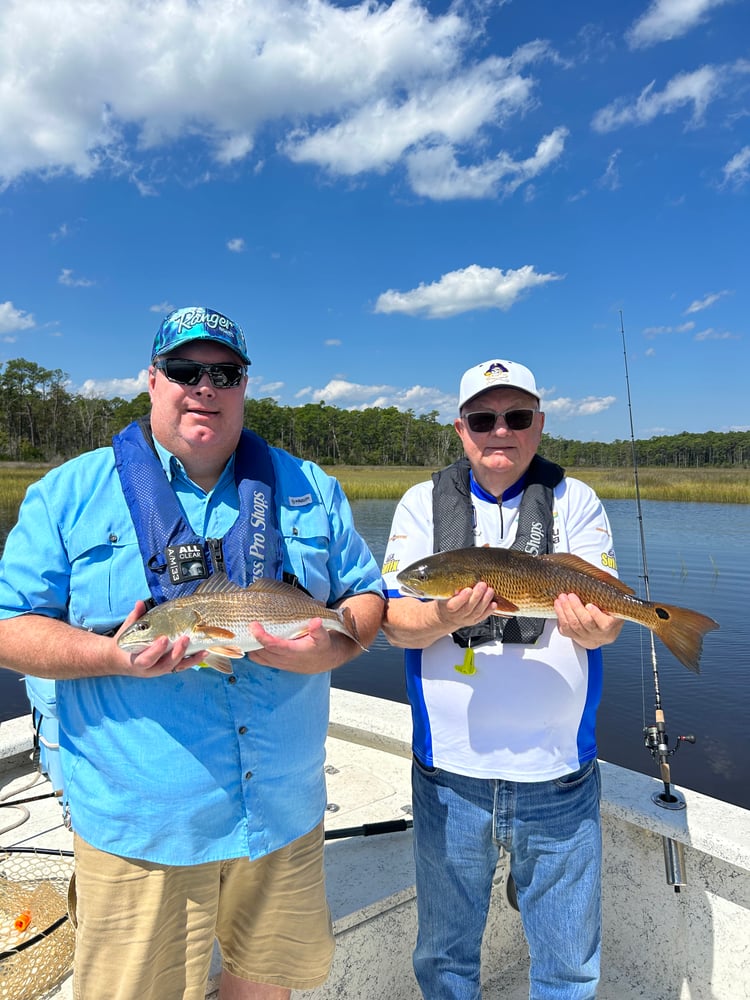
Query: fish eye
[142,625]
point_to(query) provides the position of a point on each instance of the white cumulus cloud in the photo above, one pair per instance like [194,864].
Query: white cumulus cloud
[657,331]
[457,292]
[710,334]
[698,305]
[12,319]
[357,396]
[564,407]
[66,277]
[125,388]
[696,89]
[347,87]
[668,19]
[436,173]
[737,169]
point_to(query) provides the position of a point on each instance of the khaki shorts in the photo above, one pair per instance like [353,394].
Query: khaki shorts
[146,931]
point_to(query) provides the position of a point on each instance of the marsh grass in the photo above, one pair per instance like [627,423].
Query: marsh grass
[730,485]
[370,482]
[14,481]
[707,485]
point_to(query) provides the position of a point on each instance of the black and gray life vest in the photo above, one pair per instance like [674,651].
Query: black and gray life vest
[453,528]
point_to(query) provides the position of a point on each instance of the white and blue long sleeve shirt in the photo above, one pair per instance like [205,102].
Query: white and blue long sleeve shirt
[522,712]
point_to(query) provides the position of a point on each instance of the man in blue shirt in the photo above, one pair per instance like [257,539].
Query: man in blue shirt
[196,798]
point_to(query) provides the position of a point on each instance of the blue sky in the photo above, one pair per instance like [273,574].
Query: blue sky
[383,195]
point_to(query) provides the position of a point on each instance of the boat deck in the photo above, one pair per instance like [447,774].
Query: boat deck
[370,879]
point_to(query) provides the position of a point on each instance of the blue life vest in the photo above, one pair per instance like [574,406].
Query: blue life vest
[249,550]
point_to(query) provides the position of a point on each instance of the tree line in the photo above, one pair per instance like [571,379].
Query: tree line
[42,421]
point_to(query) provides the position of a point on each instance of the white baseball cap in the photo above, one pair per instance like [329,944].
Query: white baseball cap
[495,374]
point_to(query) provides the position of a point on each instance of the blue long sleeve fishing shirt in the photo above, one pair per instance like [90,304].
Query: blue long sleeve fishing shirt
[194,766]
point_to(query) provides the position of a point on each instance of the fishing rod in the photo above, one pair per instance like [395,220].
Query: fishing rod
[370,829]
[655,735]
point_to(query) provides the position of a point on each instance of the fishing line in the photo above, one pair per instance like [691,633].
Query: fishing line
[655,735]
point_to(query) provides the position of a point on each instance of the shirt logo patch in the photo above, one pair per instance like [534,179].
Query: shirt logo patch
[609,561]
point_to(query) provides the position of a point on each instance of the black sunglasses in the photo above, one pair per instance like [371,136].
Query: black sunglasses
[223,376]
[484,421]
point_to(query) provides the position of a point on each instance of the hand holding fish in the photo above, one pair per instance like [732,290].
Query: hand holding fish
[319,647]
[310,653]
[585,624]
[162,656]
[468,606]
[410,622]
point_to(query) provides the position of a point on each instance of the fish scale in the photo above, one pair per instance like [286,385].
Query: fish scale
[528,586]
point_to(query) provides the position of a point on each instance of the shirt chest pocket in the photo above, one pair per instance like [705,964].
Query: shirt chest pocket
[306,535]
[106,575]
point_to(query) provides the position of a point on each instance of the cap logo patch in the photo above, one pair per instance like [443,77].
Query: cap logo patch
[497,373]
[211,320]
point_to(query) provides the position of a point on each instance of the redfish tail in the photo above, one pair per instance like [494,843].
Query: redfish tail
[682,630]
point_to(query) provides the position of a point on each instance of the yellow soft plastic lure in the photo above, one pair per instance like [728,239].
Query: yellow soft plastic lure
[467,667]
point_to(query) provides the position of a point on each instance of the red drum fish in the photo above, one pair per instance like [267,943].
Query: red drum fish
[528,585]
[218,613]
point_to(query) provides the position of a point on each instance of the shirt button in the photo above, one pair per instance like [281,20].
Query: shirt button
[242,730]
[232,679]
[248,774]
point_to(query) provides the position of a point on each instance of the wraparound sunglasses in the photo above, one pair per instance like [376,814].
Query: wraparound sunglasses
[223,376]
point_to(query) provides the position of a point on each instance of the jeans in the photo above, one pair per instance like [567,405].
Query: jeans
[552,831]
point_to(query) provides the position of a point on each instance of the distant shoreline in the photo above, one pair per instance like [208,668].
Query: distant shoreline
[708,485]
[366,482]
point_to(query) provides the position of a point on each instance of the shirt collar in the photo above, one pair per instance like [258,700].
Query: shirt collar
[174,469]
[512,491]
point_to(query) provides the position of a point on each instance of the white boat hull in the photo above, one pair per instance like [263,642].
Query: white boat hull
[691,945]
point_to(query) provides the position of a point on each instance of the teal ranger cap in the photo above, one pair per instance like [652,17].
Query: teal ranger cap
[198,323]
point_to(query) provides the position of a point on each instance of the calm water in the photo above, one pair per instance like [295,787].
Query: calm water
[698,557]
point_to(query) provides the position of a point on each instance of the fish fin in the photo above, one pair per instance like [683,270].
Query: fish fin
[219,583]
[505,607]
[682,630]
[233,652]
[578,565]
[217,662]
[303,630]
[351,626]
[267,585]
[213,632]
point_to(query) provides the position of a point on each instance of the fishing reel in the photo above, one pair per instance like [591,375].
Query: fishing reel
[657,741]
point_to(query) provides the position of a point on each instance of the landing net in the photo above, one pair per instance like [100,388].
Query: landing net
[36,935]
